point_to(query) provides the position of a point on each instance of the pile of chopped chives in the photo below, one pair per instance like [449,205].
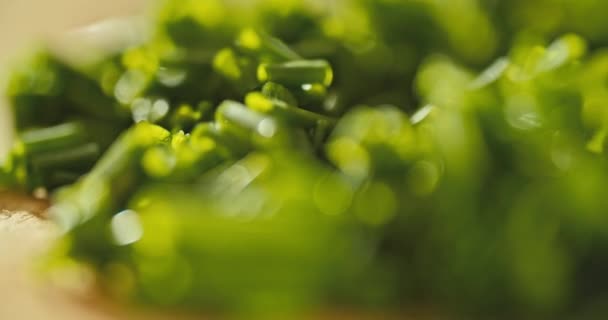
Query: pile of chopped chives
[285,157]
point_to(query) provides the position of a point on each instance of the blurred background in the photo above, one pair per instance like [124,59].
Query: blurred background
[23,23]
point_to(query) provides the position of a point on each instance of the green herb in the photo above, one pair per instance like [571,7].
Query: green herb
[285,157]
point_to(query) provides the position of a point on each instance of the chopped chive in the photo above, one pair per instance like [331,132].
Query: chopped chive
[257,128]
[258,102]
[228,143]
[276,91]
[52,138]
[83,156]
[265,47]
[158,162]
[113,179]
[297,73]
